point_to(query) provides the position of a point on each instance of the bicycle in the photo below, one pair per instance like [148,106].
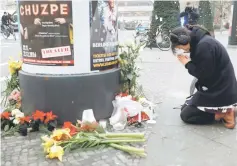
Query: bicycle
[161,38]
[7,31]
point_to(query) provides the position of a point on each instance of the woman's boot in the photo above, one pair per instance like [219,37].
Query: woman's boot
[228,118]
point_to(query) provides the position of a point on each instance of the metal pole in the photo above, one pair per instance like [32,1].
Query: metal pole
[233,36]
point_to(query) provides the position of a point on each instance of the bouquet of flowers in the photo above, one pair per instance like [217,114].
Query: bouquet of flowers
[128,54]
[88,135]
[16,121]
[11,95]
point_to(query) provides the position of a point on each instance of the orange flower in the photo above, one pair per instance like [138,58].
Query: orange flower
[49,116]
[73,129]
[89,127]
[38,115]
[25,119]
[5,115]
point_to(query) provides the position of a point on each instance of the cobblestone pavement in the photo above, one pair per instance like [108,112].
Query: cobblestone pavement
[26,151]
[159,71]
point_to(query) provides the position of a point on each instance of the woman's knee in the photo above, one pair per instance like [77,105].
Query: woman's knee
[187,113]
[184,116]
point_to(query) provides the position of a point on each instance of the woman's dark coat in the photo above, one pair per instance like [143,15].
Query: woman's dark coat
[211,65]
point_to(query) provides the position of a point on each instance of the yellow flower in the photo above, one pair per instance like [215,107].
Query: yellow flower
[125,62]
[14,65]
[61,134]
[56,152]
[48,143]
[120,61]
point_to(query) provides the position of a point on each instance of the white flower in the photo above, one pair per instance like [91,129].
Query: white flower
[16,121]
[19,115]
[15,111]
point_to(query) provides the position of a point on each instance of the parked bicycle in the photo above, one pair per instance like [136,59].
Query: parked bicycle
[7,31]
[161,38]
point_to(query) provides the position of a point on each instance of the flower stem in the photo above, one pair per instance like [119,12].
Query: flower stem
[119,135]
[122,140]
[129,149]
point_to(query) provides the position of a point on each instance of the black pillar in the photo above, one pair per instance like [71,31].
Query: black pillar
[233,36]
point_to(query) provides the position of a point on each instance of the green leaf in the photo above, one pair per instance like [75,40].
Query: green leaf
[6,128]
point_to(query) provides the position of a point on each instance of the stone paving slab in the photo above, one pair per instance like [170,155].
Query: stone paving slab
[173,143]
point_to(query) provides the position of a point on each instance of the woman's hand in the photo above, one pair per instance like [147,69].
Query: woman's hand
[184,59]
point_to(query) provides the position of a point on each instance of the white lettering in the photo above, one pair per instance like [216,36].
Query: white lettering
[53,9]
[63,9]
[35,9]
[27,10]
[44,8]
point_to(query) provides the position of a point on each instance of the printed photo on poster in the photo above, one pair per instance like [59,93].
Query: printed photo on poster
[104,34]
[46,30]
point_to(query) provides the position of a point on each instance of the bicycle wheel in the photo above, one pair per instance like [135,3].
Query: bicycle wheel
[163,42]
[5,34]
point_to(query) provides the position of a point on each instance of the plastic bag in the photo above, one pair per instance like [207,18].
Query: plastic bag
[119,119]
[124,107]
[131,107]
[88,116]
[148,108]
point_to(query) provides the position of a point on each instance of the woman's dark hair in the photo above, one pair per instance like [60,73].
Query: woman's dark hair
[181,35]
[175,37]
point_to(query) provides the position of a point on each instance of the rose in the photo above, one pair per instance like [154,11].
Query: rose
[15,95]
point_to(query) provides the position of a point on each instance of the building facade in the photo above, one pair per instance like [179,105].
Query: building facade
[8,4]
[135,10]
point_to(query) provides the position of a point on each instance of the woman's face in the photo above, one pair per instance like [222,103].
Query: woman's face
[186,47]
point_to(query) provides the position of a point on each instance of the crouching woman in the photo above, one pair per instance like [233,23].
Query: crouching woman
[206,59]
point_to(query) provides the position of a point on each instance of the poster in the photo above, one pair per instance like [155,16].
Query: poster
[46,30]
[104,35]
